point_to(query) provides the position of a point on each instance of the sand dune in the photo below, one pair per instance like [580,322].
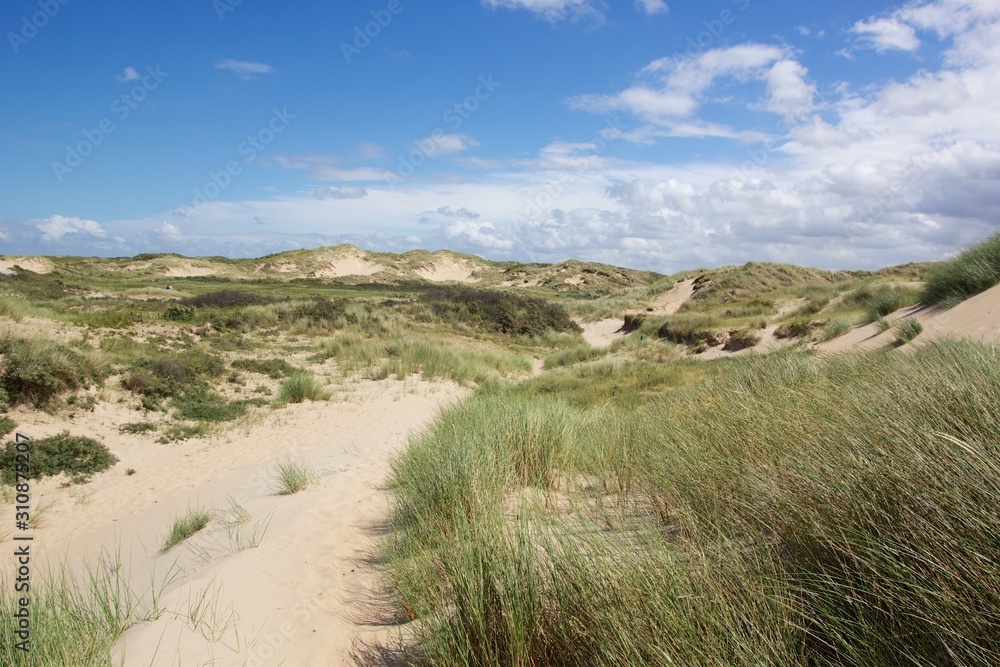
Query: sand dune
[299,596]
[977,317]
[447,270]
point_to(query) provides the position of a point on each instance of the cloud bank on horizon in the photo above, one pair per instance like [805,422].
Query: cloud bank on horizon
[635,133]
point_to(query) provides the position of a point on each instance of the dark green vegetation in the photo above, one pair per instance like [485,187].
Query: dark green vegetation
[501,312]
[783,510]
[77,456]
[35,370]
[974,270]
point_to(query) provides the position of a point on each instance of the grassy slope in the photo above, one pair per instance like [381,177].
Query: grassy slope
[787,510]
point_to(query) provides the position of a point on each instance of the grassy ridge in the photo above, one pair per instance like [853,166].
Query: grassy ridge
[972,271]
[786,510]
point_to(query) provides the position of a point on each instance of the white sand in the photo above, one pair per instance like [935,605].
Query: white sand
[447,270]
[33,264]
[347,266]
[977,317]
[300,597]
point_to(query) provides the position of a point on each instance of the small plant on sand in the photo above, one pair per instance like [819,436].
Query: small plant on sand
[185,526]
[907,329]
[300,387]
[293,476]
[836,328]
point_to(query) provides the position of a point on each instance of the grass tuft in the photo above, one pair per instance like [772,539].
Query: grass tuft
[185,526]
[293,476]
[300,387]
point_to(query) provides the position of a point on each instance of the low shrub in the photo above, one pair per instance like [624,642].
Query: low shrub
[501,312]
[226,299]
[202,404]
[796,329]
[741,339]
[75,455]
[6,425]
[273,368]
[692,329]
[36,370]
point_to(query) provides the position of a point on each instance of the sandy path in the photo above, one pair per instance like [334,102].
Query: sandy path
[296,599]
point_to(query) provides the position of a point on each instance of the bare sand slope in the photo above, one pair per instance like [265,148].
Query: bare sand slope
[977,317]
[602,333]
[670,302]
[299,598]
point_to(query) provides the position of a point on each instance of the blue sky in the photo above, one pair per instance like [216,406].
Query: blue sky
[636,132]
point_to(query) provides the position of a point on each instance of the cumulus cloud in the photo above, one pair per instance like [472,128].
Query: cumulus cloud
[327,168]
[885,34]
[169,232]
[672,89]
[555,11]
[58,226]
[128,75]
[343,192]
[449,212]
[244,68]
[650,7]
[445,144]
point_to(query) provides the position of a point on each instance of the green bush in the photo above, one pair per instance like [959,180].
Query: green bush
[6,425]
[796,329]
[36,370]
[273,368]
[741,339]
[502,312]
[974,270]
[691,329]
[202,404]
[77,456]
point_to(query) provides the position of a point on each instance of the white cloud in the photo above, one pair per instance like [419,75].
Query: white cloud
[57,226]
[169,232]
[343,192]
[327,168]
[675,87]
[445,144]
[650,7]
[554,10]
[245,69]
[885,34]
[789,92]
[128,75]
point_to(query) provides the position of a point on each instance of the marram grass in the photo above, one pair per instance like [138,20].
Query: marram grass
[786,510]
